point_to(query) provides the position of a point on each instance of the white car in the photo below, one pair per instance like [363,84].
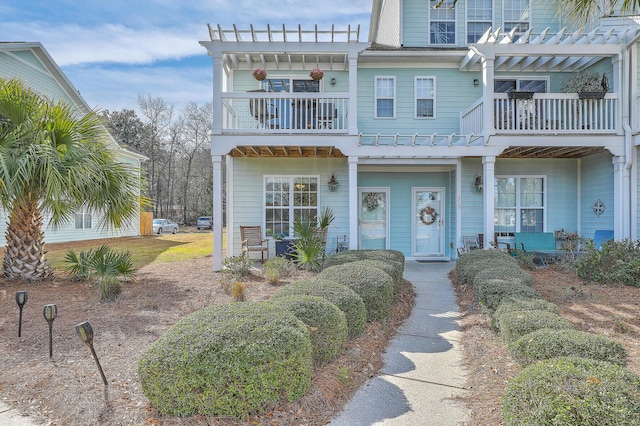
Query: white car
[164,225]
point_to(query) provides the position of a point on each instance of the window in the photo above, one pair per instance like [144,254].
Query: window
[479,17]
[291,85]
[524,84]
[425,88]
[442,25]
[83,220]
[287,198]
[517,14]
[385,97]
[519,204]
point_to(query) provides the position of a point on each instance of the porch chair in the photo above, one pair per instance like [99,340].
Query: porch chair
[263,110]
[251,240]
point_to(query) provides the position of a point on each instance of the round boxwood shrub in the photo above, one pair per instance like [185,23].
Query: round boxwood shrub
[394,255]
[228,360]
[572,391]
[326,322]
[391,267]
[342,258]
[372,284]
[545,344]
[490,292]
[506,273]
[466,270]
[340,295]
[515,303]
[355,255]
[514,325]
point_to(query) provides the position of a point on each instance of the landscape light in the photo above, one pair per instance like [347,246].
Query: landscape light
[50,312]
[85,332]
[21,299]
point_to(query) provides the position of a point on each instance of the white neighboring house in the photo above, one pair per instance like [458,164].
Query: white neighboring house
[31,63]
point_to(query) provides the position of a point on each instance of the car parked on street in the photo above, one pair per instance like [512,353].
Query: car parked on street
[164,226]
[204,222]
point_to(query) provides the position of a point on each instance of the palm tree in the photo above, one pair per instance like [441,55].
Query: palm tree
[584,12]
[55,161]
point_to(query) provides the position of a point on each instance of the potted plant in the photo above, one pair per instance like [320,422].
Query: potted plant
[520,94]
[316,74]
[588,85]
[259,74]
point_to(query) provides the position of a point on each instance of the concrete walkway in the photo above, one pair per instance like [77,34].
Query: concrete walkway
[422,372]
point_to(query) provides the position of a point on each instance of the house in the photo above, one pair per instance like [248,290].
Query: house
[446,122]
[31,63]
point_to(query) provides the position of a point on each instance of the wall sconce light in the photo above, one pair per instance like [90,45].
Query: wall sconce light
[50,312]
[333,81]
[21,299]
[333,183]
[476,82]
[478,183]
[85,332]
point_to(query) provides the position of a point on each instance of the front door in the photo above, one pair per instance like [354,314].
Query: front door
[373,217]
[428,222]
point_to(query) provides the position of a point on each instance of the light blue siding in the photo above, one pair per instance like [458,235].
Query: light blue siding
[472,201]
[597,184]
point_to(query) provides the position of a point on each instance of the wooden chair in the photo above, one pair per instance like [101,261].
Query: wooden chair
[251,240]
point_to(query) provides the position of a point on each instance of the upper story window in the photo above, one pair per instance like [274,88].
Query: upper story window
[290,85]
[442,22]
[525,84]
[425,97]
[479,17]
[517,14]
[385,102]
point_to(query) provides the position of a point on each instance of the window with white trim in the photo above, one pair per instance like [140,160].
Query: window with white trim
[442,22]
[425,97]
[519,204]
[479,17]
[385,97]
[287,198]
[83,221]
[516,14]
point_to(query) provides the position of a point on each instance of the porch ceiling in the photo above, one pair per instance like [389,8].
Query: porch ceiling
[286,151]
[550,151]
[559,52]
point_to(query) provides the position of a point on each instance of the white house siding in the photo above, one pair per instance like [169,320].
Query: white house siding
[248,195]
[401,214]
[597,184]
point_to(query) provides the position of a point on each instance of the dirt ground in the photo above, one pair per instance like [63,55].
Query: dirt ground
[609,310]
[67,388]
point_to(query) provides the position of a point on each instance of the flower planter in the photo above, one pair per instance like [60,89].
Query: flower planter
[520,94]
[591,95]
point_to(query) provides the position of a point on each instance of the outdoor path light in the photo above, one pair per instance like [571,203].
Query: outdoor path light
[85,332]
[50,312]
[21,299]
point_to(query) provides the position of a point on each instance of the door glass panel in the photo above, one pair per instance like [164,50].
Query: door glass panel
[428,227]
[373,220]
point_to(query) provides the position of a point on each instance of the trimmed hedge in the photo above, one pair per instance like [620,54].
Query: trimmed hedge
[340,295]
[514,325]
[228,360]
[572,391]
[467,270]
[326,322]
[356,255]
[515,303]
[372,284]
[342,258]
[545,344]
[394,268]
[506,273]
[394,255]
[490,292]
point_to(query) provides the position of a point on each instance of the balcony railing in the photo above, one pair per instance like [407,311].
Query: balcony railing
[260,112]
[550,113]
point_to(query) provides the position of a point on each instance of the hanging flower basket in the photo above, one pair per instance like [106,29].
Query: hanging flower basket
[316,74]
[259,74]
[591,95]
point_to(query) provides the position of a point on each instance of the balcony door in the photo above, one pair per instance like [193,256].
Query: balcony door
[296,113]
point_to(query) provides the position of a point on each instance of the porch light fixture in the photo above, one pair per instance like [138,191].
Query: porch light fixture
[85,332]
[476,82]
[333,183]
[21,299]
[333,81]
[478,183]
[50,312]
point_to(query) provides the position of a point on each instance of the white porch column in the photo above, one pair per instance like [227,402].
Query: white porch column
[352,112]
[488,193]
[458,204]
[218,74]
[620,198]
[353,203]
[217,212]
[488,62]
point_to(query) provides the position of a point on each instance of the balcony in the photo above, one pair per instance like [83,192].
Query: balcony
[545,113]
[284,113]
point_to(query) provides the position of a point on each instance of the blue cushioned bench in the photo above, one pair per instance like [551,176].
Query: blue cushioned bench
[542,244]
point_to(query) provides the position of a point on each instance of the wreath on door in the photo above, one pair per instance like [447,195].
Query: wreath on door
[428,215]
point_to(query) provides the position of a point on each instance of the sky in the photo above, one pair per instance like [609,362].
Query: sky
[114,50]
